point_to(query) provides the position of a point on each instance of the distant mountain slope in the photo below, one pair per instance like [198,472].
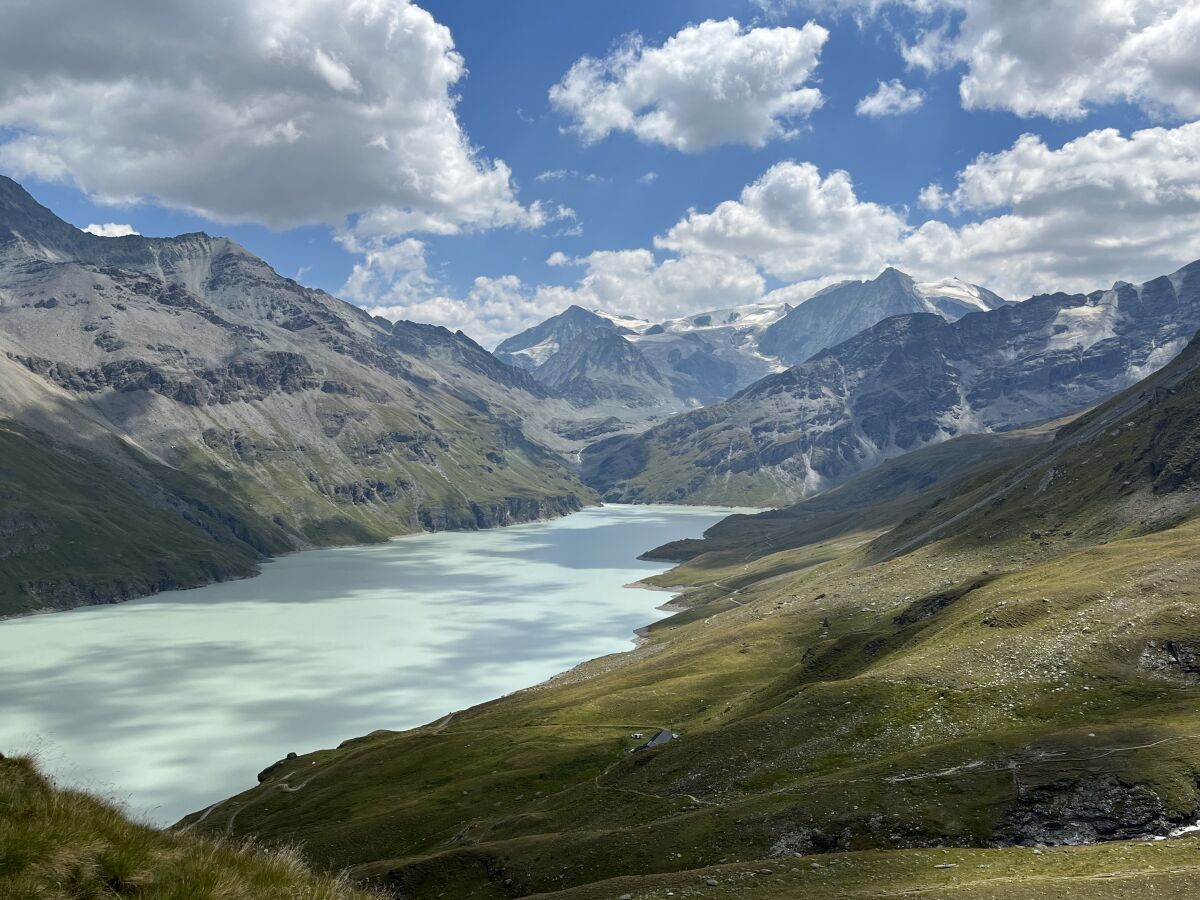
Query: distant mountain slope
[712,355]
[872,501]
[85,527]
[907,382]
[535,345]
[1128,467]
[334,426]
[598,365]
[842,311]
[707,357]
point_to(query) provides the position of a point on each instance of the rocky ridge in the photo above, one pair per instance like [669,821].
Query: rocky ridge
[907,382]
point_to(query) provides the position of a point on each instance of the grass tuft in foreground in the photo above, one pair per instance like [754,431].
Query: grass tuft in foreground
[67,845]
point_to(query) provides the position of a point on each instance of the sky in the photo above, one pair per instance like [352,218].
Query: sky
[483,165]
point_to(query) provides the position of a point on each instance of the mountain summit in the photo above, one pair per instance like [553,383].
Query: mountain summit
[905,382]
[843,310]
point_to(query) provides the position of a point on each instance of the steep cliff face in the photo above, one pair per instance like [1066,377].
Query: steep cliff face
[907,382]
[332,425]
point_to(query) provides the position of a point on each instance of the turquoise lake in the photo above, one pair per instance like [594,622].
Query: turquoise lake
[173,702]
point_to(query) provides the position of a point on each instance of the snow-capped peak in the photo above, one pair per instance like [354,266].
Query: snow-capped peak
[633,323]
[962,292]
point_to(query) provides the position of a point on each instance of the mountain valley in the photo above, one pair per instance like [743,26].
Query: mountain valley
[904,383]
[998,653]
[186,364]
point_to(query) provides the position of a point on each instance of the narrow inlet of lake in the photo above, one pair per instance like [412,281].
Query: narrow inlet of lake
[176,701]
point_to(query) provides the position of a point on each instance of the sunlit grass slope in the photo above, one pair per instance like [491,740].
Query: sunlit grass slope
[1013,663]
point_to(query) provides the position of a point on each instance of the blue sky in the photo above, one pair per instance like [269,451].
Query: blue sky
[514,52]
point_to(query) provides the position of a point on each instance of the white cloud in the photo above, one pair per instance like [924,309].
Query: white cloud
[1100,208]
[635,283]
[933,198]
[891,98]
[396,285]
[1103,207]
[268,111]
[1058,58]
[648,178]
[563,174]
[110,229]
[796,224]
[493,309]
[712,83]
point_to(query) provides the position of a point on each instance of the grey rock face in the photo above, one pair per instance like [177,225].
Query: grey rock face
[534,346]
[598,364]
[907,382]
[707,357]
[337,425]
[1092,809]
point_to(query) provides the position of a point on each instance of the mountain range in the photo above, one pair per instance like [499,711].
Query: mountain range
[970,672]
[251,413]
[705,358]
[905,382]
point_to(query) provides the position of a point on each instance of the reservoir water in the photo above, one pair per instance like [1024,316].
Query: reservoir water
[173,702]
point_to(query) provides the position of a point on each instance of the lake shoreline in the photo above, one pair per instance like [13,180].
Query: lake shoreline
[325,645]
[270,558]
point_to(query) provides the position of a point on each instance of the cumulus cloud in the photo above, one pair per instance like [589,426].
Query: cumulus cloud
[712,83]
[267,111]
[493,309]
[110,229]
[1028,219]
[1102,207]
[393,281]
[634,282]
[1057,58]
[795,223]
[891,98]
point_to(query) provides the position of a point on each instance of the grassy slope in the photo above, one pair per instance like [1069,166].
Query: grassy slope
[834,698]
[66,845]
[77,529]
[827,738]
[869,503]
[1106,872]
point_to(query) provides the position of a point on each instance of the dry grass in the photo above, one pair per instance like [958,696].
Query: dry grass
[66,845]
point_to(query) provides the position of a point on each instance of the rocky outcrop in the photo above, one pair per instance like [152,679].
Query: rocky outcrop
[509,511]
[240,381]
[1085,811]
[599,365]
[839,312]
[1175,659]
